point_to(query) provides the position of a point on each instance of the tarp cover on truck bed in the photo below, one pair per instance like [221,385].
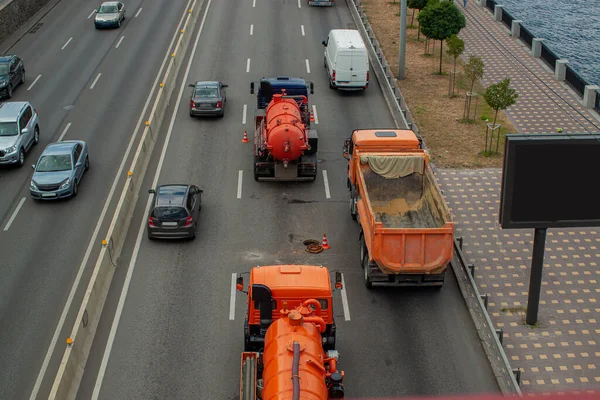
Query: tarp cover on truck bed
[402,191]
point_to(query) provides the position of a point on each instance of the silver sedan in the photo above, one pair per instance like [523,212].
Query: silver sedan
[110,14]
[207,98]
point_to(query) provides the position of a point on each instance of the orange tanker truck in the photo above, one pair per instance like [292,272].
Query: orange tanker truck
[407,233]
[293,365]
[285,147]
[273,288]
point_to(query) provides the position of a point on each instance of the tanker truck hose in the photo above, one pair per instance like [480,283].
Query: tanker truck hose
[295,371]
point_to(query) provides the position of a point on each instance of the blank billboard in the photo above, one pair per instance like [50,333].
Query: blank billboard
[550,181]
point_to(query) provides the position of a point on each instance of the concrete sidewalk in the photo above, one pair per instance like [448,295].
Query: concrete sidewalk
[562,353]
[544,104]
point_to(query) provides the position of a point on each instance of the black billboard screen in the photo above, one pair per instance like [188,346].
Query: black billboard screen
[550,181]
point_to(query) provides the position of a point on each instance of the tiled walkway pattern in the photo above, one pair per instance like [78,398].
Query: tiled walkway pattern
[544,104]
[563,352]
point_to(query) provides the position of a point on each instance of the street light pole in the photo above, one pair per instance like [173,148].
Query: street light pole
[402,51]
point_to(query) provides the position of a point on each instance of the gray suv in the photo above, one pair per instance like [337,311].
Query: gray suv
[19,131]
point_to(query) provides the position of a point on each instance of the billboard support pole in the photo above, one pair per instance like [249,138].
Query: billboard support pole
[535,279]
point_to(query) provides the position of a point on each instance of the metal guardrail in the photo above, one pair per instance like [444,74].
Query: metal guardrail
[507,378]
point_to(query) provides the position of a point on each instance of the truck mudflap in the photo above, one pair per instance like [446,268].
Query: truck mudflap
[374,277]
[305,170]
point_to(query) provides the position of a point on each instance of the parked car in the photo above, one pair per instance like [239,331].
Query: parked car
[207,98]
[59,170]
[12,74]
[174,212]
[19,131]
[110,14]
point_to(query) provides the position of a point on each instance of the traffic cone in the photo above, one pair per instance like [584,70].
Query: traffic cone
[325,245]
[245,139]
[312,117]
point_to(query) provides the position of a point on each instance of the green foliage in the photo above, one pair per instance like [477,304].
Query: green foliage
[417,4]
[499,96]
[440,20]
[456,46]
[474,70]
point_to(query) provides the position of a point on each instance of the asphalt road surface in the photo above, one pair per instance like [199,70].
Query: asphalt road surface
[166,331]
[85,84]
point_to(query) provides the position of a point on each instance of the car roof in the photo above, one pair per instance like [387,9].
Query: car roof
[59,148]
[172,194]
[109,3]
[206,84]
[9,110]
[6,59]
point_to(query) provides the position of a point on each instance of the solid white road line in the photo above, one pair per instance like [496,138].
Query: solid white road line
[90,16]
[251,30]
[248,65]
[326,183]
[307,66]
[244,113]
[138,13]
[299,6]
[64,132]
[14,215]
[35,81]
[315,114]
[92,243]
[345,300]
[66,44]
[240,177]
[119,42]
[119,311]
[95,80]
[302,29]
[232,298]
[253,3]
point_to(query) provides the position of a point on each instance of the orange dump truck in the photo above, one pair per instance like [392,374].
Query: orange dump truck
[272,288]
[293,365]
[407,231]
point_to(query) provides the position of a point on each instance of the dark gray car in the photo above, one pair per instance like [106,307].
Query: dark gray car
[207,98]
[174,212]
[12,74]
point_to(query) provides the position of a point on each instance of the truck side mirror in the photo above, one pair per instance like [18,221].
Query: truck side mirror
[312,88]
[324,43]
[239,283]
[151,191]
[338,280]
[347,148]
[251,87]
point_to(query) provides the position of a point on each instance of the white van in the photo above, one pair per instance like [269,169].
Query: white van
[346,60]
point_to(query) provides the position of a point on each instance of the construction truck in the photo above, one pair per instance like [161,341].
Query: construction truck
[273,288]
[407,232]
[294,364]
[285,147]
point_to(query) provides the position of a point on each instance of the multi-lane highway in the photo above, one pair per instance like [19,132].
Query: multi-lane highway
[166,331]
[85,84]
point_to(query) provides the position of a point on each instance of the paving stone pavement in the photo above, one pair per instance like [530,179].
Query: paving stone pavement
[562,353]
[544,104]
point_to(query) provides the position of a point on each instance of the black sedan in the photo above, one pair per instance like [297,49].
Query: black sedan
[207,98]
[174,212]
[12,74]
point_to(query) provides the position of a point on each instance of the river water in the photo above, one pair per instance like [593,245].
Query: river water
[571,29]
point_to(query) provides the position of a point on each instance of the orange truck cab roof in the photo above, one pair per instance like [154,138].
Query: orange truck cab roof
[293,281]
[388,140]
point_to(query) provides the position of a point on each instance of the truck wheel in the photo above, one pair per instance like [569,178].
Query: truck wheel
[363,248]
[353,203]
[367,270]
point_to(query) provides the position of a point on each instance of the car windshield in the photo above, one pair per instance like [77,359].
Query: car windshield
[8,129]
[3,69]
[108,9]
[54,163]
[206,92]
[169,213]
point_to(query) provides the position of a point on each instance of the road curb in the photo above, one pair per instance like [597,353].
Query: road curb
[78,346]
[403,119]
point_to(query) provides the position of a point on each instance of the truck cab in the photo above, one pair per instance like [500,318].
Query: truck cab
[296,87]
[274,288]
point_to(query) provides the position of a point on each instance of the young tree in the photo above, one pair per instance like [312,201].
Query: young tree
[456,46]
[474,72]
[499,96]
[416,5]
[439,21]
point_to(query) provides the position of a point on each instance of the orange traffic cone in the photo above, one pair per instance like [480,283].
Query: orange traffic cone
[325,245]
[245,139]
[312,117]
